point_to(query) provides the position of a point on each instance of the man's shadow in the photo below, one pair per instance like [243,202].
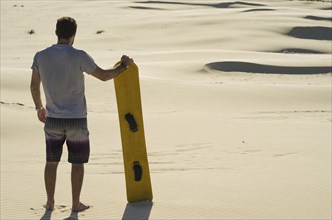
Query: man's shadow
[73,216]
[47,216]
[137,211]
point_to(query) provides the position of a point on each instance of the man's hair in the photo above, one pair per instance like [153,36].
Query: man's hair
[66,27]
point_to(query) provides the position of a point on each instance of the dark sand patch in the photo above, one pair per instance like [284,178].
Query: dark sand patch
[236,66]
[313,33]
[219,5]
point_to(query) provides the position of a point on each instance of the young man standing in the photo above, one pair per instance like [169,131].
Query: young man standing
[60,69]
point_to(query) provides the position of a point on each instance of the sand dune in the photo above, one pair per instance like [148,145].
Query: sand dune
[236,102]
[316,33]
[296,50]
[233,66]
[317,18]
[218,5]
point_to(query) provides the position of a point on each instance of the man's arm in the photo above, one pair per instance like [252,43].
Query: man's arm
[35,92]
[105,75]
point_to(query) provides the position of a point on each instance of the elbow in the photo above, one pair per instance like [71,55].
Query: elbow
[33,89]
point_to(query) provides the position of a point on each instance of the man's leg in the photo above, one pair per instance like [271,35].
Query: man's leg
[77,175]
[50,180]
[55,139]
[78,153]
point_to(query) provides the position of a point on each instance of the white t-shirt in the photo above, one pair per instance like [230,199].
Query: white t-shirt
[61,69]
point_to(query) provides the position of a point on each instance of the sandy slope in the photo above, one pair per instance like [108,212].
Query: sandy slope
[236,100]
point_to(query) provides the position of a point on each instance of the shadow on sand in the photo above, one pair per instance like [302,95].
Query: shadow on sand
[312,33]
[137,211]
[47,215]
[216,5]
[73,216]
[235,66]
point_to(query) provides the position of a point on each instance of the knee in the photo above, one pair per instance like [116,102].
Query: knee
[77,167]
[52,165]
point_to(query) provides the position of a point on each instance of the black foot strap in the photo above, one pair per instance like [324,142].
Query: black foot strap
[138,171]
[131,121]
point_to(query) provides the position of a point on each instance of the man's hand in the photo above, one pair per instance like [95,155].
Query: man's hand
[127,60]
[41,113]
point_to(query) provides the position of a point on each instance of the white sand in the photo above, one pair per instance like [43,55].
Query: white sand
[224,142]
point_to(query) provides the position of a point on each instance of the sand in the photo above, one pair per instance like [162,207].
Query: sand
[236,101]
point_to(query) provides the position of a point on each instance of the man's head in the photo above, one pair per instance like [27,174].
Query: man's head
[66,28]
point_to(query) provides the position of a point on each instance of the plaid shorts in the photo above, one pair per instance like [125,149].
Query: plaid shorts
[72,131]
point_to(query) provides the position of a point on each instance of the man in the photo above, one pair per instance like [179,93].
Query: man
[60,70]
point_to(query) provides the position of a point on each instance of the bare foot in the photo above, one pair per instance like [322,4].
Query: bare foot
[80,207]
[49,205]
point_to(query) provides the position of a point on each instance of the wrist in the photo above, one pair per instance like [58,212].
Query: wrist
[123,67]
[37,108]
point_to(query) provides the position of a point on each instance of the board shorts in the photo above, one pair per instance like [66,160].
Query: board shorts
[72,131]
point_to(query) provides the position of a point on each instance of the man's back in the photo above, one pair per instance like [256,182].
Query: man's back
[61,70]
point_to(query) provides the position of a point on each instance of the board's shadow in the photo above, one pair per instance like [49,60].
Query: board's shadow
[139,210]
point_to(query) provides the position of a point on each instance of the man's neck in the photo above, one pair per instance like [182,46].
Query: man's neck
[64,41]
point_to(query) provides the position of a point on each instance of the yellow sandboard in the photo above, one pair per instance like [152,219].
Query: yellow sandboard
[128,96]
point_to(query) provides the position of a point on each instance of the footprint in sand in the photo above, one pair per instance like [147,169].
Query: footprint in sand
[62,208]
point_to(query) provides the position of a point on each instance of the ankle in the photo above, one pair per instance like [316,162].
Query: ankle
[80,207]
[49,205]
[50,200]
[76,203]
